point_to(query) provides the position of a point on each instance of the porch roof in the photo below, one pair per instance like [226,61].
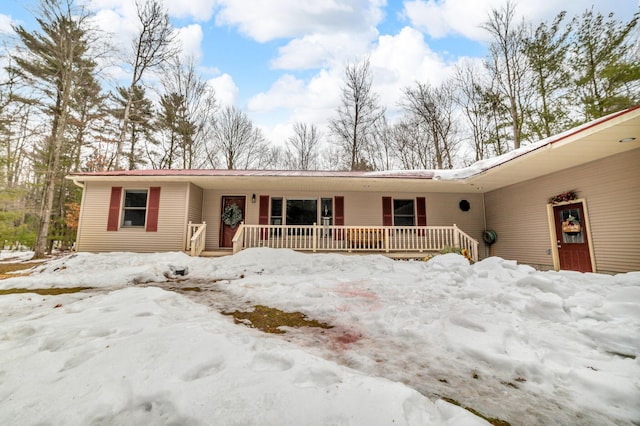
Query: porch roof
[586,143]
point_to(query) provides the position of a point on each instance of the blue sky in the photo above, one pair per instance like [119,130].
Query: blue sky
[282,61]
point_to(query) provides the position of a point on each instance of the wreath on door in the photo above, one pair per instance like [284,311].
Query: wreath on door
[232,215]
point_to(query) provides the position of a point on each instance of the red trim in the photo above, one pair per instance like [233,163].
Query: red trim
[387,212]
[114,208]
[421,211]
[153,206]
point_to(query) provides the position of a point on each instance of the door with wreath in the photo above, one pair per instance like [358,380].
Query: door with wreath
[231,216]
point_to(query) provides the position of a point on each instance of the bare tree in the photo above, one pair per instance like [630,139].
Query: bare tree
[380,149]
[236,141]
[470,98]
[357,115]
[152,47]
[302,147]
[412,144]
[187,116]
[508,64]
[434,108]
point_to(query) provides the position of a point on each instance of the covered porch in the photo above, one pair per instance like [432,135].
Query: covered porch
[340,238]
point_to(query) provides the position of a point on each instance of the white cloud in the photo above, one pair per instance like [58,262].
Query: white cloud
[295,18]
[396,62]
[190,38]
[310,102]
[226,89]
[199,10]
[400,60]
[323,50]
[5,24]
[464,17]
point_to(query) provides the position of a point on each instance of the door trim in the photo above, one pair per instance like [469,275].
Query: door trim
[554,238]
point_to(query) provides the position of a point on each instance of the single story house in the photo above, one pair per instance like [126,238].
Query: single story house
[571,201]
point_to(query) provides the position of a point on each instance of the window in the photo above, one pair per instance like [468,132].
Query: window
[276,211]
[403,213]
[302,212]
[135,207]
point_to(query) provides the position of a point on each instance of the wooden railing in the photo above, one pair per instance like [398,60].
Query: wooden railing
[196,233]
[354,238]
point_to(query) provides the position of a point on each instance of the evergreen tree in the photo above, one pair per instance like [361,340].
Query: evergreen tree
[50,61]
[606,73]
[546,50]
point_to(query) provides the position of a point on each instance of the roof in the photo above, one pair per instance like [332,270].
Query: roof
[591,141]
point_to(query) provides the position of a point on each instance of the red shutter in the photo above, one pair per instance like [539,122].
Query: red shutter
[153,205]
[114,208]
[338,211]
[338,215]
[263,215]
[421,210]
[387,212]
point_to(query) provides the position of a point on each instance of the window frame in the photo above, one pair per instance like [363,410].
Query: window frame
[413,211]
[126,208]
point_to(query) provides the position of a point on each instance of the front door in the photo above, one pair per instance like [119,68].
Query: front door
[231,215]
[572,240]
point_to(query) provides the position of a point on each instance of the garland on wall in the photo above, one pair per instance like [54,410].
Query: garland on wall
[565,196]
[232,215]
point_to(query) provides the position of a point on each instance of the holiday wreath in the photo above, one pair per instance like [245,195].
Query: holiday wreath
[232,215]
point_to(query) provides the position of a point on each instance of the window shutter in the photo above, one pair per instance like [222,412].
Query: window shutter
[421,211]
[114,208]
[338,211]
[263,215]
[153,205]
[387,212]
[338,216]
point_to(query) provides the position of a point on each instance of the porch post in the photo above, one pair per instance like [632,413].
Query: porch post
[456,236]
[188,235]
[313,236]
[386,239]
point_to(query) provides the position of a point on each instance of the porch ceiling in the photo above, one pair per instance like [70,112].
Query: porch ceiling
[574,150]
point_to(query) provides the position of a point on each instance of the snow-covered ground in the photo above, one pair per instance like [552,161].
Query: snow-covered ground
[513,343]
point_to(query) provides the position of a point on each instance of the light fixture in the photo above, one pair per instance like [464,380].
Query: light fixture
[253,198]
[623,140]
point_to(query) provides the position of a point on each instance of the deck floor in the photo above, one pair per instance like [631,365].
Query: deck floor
[392,255]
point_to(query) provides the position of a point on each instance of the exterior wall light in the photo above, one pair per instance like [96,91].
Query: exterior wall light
[623,140]
[253,198]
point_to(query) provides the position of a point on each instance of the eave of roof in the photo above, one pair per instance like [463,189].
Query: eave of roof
[598,138]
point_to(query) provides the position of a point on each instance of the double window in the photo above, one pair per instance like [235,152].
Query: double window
[300,211]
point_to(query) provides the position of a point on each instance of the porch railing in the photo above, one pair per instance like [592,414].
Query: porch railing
[196,233]
[354,238]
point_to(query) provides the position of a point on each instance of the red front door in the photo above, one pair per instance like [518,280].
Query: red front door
[230,219]
[573,245]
